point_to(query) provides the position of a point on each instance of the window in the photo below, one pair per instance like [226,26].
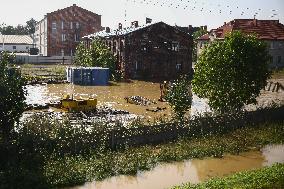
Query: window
[272,45]
[63,37]
[62,52]
[179,66]
[71,25]
[27,47]
[14,47]
[62,25]
[175,46]
[114,46]
[53,26]
[77,37]
[77,25]
[271,59]
[279,60]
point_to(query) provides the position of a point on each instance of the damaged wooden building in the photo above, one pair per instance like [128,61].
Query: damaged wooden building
[152,51]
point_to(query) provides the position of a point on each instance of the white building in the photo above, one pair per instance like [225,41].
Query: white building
[16,43]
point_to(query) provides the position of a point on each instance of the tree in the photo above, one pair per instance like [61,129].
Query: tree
[179,96]
[30,27]
[232,72]
[196,35]
[27,29]
[97,54]
[12,96]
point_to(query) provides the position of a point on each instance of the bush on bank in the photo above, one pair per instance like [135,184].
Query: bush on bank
[50,152]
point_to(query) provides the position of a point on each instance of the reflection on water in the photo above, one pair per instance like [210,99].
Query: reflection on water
[194,171]
[37,94]
[112,95]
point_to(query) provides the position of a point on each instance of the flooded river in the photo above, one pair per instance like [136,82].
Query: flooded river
[170,174]
[112,95]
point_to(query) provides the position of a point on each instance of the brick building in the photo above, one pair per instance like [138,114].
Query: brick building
[155,50]
[59,32]
[270,31]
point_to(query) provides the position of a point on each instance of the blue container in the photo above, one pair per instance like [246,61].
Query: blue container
[95,76]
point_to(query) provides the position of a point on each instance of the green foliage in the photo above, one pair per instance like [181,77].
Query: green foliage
[232,72]
[179,96]
[60,154]
[28,29]
[196,35]
[11,96]
[97,55]
[268,177]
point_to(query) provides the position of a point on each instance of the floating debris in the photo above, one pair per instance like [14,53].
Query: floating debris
[139,100]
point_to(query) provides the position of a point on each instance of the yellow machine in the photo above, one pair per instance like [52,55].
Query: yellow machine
[72,105]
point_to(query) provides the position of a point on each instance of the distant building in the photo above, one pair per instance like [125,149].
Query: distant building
[270,31]
[16,43]
[155,50]
[59,32]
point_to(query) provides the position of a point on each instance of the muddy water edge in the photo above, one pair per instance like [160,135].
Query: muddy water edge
[112,95]
[167,175]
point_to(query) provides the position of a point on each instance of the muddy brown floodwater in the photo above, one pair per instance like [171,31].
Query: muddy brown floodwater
[112,95]
[171,174]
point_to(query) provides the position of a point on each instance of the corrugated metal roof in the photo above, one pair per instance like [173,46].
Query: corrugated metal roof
[16,39]
[121,32]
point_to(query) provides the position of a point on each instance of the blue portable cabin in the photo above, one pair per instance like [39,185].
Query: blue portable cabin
[94,76]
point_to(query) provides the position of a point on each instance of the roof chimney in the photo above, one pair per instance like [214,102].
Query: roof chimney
[119,26]
[107,30]
[134,23]
[74,5]
[148,20]
[225,23]
[205,28]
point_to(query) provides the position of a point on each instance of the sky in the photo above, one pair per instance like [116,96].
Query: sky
[174,12]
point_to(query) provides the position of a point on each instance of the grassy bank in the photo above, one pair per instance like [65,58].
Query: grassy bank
[73,170]
[268,177]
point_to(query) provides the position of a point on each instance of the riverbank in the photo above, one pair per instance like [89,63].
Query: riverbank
[268,177]
[68,171]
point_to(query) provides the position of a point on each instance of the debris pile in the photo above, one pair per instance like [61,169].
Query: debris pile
[139,100]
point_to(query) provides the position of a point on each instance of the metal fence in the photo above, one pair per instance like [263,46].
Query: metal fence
[194,128]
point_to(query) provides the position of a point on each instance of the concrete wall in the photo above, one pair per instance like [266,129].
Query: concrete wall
[41,36]
[27,59]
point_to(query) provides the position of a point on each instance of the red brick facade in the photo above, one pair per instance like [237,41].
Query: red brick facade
[65,28]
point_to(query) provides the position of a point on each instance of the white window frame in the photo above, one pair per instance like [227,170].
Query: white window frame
[76,37]
[63,37]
